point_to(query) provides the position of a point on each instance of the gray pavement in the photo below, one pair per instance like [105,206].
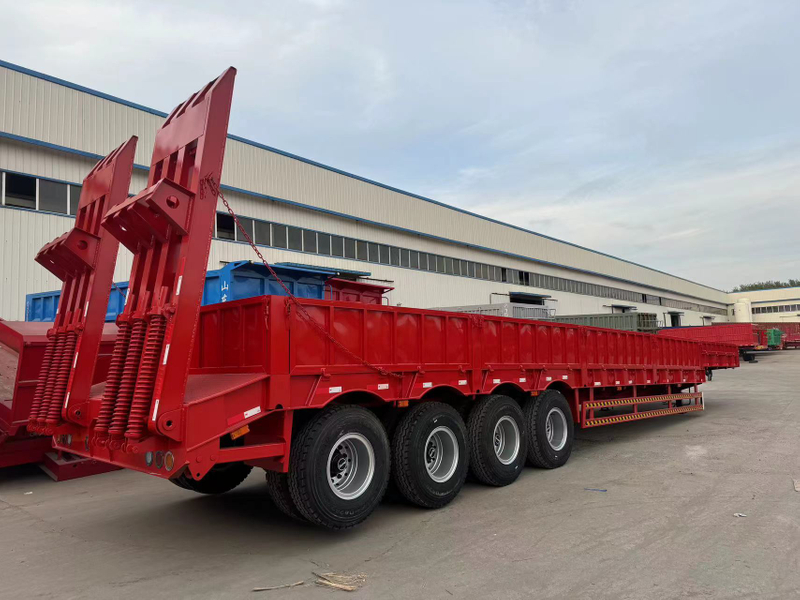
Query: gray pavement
[665,527]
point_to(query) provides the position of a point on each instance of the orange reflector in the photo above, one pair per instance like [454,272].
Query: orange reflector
[402,403]
[240,432]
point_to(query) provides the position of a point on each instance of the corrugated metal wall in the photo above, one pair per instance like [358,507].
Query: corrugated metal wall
[42,110]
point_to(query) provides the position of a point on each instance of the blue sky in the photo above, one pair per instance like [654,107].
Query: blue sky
[663,132]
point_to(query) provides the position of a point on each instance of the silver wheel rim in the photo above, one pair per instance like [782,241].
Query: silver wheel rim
[441,454]
[556,429]
[351,466]
[506,440]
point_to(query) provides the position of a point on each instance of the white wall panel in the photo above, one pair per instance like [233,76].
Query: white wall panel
[36,108]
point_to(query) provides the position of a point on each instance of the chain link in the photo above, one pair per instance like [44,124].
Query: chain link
[213,187]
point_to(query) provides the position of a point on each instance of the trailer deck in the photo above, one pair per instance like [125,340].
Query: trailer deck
[327,395]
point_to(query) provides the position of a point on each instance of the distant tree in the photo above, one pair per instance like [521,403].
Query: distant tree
[766,285]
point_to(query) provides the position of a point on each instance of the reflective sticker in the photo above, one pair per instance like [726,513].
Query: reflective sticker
[630,380]
[75,362]
[252,412]
[166,353]
[495,381]
[462,382]
[155,410]
[616,383]
[427,384]
[335,389]
[86,309]
[178,287]
[522,379]
[597,383]
[565,377]
[648,381]
[383,386]
[548,379]
[66,401]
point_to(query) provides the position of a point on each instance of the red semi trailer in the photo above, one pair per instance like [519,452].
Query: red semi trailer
[329,397]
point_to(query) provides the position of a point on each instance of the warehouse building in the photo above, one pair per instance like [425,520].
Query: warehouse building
[53,131]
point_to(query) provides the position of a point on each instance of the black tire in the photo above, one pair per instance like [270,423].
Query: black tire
[541,453]
[278,490]
[497,424]
[220,479]
[410,445]
[309,475]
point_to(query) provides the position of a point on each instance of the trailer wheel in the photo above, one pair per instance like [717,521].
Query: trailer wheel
[430,454]
[339,467]
[220,479]
[278,490]
[497,440]
[551,431]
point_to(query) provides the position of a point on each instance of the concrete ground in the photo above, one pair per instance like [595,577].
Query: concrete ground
[665,527]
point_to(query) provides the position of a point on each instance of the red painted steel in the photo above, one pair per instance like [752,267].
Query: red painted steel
[246,371]
[255,362]
[145,393]
[355,291]
[742,335]
[22,349]
[84,259]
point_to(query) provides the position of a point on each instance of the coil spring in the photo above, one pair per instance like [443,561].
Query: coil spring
[114,375]
[52,374]
[148,367]
[38,395]
[119,418]
[64,367]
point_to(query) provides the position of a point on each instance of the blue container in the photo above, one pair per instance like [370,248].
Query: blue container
[234,281]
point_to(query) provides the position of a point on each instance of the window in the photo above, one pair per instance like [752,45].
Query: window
[472,269]
[20,191]
[295,238]
[448,266]
[324,244]
[225,227]
[309,241]
[337,245]
[361,250]
[279,235]
[52,196]
[395,256]
[262,233]
[413,255]
[440,264]
[384,252]
[248,227]
[349,248]
[74,198]
[464,269]
[405,258]
[374,253]
[431,264]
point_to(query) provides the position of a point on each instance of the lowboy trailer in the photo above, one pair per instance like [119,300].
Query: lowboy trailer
[330,397]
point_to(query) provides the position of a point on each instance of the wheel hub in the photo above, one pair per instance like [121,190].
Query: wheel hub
[351,466]
[556,429]
[441,454]
[506,440]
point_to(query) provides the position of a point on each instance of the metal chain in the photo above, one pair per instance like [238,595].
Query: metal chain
[213,187]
